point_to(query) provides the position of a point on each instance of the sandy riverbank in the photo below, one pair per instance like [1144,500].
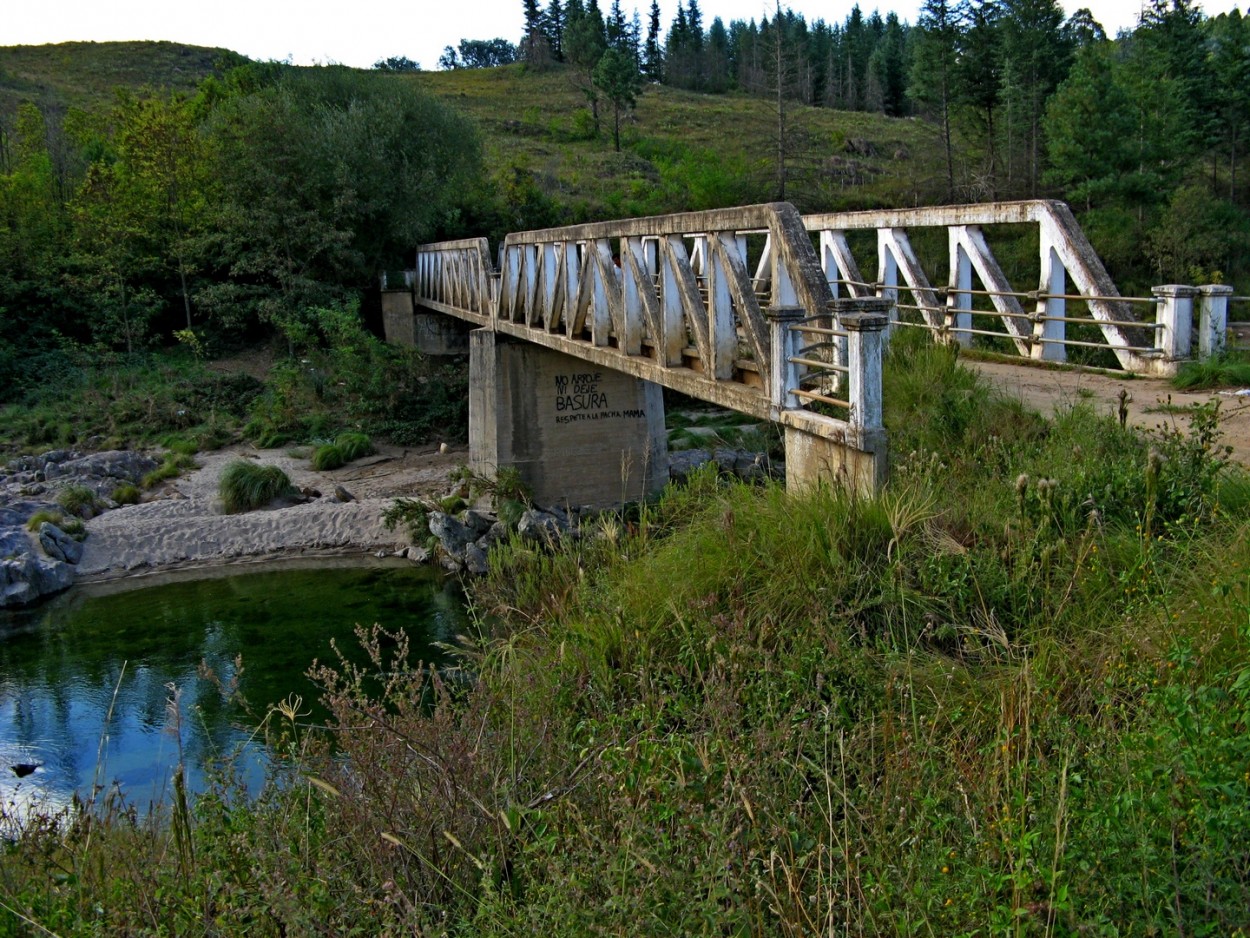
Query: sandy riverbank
[182,525]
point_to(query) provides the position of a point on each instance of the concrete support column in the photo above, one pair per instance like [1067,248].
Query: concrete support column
[856,460]
[404,323]
[1213,319]
[1176,315]
[577,433]
[865,322]
[783,374]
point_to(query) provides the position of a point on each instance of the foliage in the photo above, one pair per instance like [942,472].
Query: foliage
[346,448]
[1009,695]
[246,486]
[126,495]
[411,514]
[1228,371]
[77,499]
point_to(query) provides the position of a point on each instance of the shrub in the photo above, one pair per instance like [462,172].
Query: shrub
[353,445]
[126,495]
[76,498]
[412,514]
[172,467]
[327,456]
[245,485]
[39,517]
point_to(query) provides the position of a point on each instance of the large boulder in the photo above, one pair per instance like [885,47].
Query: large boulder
[58,545]
[28,577]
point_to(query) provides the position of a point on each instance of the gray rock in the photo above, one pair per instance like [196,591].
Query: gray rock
[498,532]
[540,527]
[29,577]
[475,560]
[418,555]
[13,542]
[58,545]
[453,535]
[341,494]
[478,522]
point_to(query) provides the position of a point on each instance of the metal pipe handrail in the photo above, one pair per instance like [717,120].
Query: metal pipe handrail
[821,366]
[822,398]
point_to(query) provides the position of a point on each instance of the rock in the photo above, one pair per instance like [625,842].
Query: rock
[58,545]
[29,577]
[478,522]
[418,555]
[475,560]
[498,532]
[540,527]
[13,542]
[443,449]
[341,494]
[453,535]
[309,492]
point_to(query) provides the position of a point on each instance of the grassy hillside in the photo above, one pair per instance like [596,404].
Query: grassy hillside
[684,151]
[680,150]
[83,74]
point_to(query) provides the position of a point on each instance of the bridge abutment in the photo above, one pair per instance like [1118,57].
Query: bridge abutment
[405,323]
[576,433]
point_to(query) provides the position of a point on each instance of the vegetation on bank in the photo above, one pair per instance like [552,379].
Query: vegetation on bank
[1007,696]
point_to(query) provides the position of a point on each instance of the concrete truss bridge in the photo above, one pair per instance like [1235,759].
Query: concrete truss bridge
[573,331]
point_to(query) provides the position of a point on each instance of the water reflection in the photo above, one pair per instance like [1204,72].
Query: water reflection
[84,679]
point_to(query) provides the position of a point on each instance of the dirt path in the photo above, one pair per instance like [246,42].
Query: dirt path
[1152,402]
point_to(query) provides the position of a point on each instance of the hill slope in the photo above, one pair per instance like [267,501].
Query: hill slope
[83,74]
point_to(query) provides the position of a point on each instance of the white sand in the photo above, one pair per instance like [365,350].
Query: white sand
[183,525]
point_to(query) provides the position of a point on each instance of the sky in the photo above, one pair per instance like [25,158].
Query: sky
[361,32]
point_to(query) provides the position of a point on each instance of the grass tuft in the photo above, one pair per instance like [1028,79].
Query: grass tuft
[245,486]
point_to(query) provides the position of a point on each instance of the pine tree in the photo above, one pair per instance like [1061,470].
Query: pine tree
[652,56]
[553,29]
[934,72]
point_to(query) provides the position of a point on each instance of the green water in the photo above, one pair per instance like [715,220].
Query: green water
[85,679]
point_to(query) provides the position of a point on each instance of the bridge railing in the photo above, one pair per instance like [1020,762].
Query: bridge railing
[727,306]
[1075,305]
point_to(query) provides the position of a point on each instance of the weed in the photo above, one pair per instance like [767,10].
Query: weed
[126,495]
[245,485]
[77,499]
[409,513]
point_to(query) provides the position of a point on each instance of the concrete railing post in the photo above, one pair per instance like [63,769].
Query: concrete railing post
[1213,319]
[783,376]
[865,321]
[1176,316]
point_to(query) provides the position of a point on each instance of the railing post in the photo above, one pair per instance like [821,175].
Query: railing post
[865,321]
[783,376]
[1213,319]
[1049,328]
[1176,315]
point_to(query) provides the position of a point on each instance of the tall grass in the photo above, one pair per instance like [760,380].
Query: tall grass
[1008,696]
[245,486]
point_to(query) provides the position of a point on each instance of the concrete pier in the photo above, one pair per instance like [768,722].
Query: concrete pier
[577,433]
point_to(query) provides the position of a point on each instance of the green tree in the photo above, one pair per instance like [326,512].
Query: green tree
[329,176]
[1090,132]
[1036,57]
[584,44]
[934,74]
[163,161]
[618,78]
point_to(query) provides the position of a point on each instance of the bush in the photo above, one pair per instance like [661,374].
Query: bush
[353,445]
[39,517]
[411,514]
[76,498]
[328,456]
[126,495]
[245,486]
